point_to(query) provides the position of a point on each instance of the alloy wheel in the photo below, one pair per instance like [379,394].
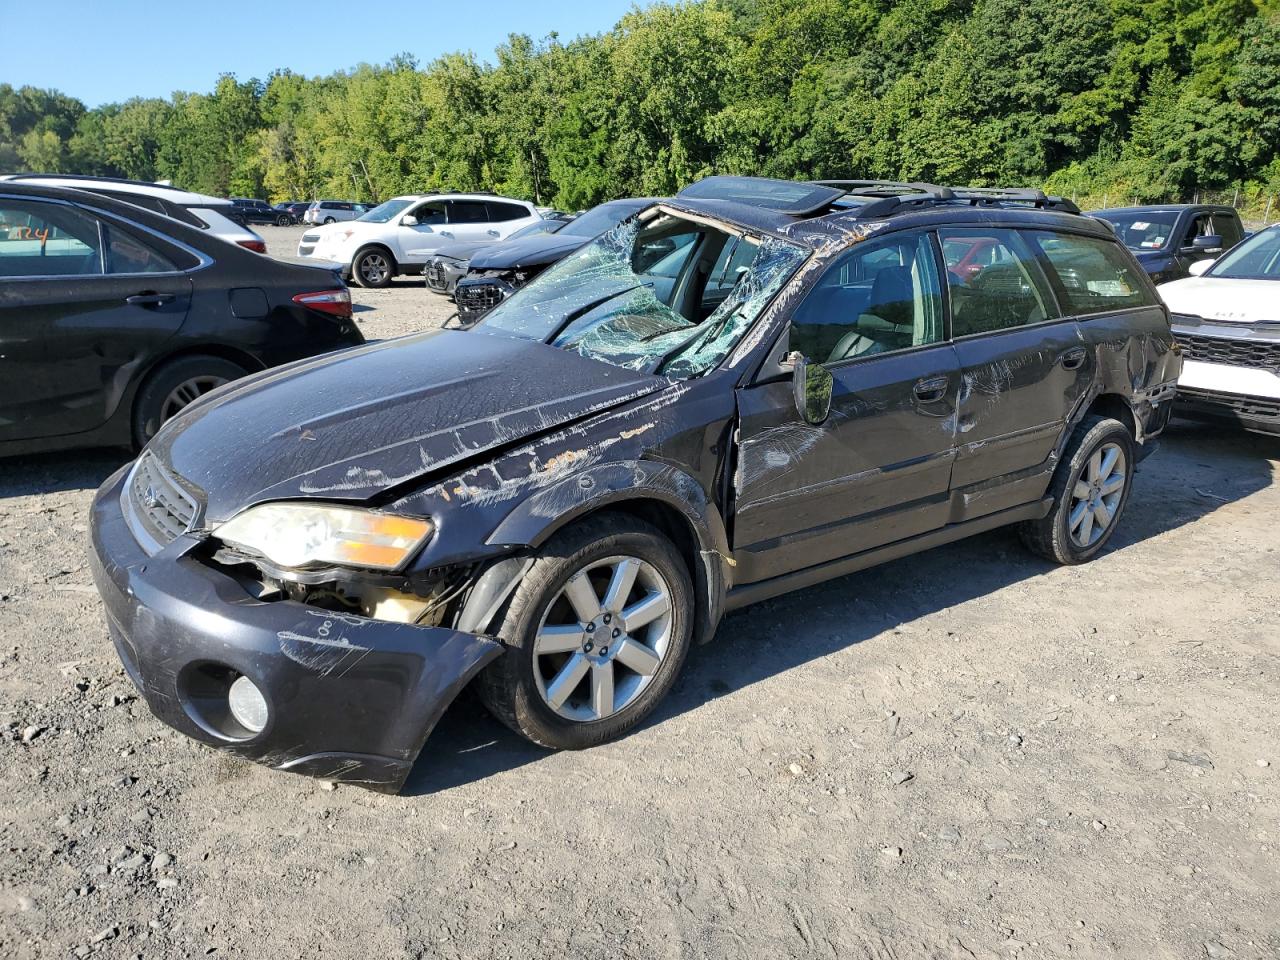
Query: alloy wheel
[185,392]
[602,638]
[1097,493]
[374,268]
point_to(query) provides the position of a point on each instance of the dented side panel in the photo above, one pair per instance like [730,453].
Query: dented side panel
[877,470]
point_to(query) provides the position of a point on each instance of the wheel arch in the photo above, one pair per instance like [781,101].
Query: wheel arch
[663,496]
[375,245]
[1117,407]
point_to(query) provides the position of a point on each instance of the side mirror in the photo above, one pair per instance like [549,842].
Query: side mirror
[1211,243]
[408,220]
[1200,267]
[811,385]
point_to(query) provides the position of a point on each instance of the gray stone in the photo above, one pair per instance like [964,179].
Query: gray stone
[166,883]
[995,844]
[949,833]
[132,863]
[105,934]
[26,903]
[31,732]
[902,776]
[1195,759]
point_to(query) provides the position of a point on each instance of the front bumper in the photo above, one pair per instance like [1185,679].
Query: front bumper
[349,698]
[442,276]
[476,296]
[1226,393]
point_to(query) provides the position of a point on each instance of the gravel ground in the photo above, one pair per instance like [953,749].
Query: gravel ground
[968,753]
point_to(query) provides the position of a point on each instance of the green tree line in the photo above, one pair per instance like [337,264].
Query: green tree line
[1138,99]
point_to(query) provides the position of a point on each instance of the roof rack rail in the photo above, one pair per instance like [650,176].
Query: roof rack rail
[91,177]
[892,195]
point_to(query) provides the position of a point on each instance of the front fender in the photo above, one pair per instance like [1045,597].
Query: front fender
[537,518]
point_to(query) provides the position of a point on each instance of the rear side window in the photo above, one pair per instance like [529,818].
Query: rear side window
[879,297]
[502,212]
[129,253]
[467,211]
[1094,274]
[993,281]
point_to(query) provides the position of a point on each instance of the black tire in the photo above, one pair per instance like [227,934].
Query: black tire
[329,220]
[1051,536]
[508,687]
[282,221]
[154,402]
[365,262]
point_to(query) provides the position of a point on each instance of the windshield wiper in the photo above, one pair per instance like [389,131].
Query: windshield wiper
[584,310]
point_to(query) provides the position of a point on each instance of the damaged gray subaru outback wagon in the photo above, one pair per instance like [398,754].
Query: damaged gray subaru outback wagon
[751,388]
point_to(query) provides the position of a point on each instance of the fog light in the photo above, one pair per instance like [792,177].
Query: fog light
[247,704]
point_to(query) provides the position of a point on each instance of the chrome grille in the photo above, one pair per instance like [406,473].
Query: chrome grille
[1259,354]
[162,508]
[476,299]
[435,277]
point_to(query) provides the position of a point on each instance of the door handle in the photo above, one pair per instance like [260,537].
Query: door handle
[931,389]
[1073,359]
[493,233]
[148,299]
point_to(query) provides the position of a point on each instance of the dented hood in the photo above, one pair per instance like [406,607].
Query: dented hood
[533,251]
[355,424]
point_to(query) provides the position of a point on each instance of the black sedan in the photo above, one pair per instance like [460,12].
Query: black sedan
[495,273]
[112,318]
[448,264]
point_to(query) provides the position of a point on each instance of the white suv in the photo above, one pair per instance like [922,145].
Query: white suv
[1225,317]
[218,217]
[333,211]
[398,236]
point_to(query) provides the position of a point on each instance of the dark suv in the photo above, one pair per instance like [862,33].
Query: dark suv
[1169,238]
[259,211]
[305,568]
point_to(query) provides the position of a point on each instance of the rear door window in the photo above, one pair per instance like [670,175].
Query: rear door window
[467,211]
[993,281]
[1094,275]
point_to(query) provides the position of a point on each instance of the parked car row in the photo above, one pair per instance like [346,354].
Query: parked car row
[114,316]
[686,405]
[397,237]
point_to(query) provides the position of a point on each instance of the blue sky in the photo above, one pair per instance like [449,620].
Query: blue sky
[105,50]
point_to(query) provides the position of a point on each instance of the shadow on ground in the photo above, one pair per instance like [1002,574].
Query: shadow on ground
[1196,471]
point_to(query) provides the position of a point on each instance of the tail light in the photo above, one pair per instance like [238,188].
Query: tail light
[257,246]
[336,303]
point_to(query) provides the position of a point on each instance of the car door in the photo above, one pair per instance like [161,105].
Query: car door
[469,222]
[416,240]
[879,468]
[505,218]
[83,303]
[1023,365]
[1112,302]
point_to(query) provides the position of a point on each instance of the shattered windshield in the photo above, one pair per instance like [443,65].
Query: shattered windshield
[666,295]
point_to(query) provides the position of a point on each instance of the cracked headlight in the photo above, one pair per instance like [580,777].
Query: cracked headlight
[298,534]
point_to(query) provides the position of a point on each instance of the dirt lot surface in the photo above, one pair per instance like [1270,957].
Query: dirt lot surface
[968,753]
